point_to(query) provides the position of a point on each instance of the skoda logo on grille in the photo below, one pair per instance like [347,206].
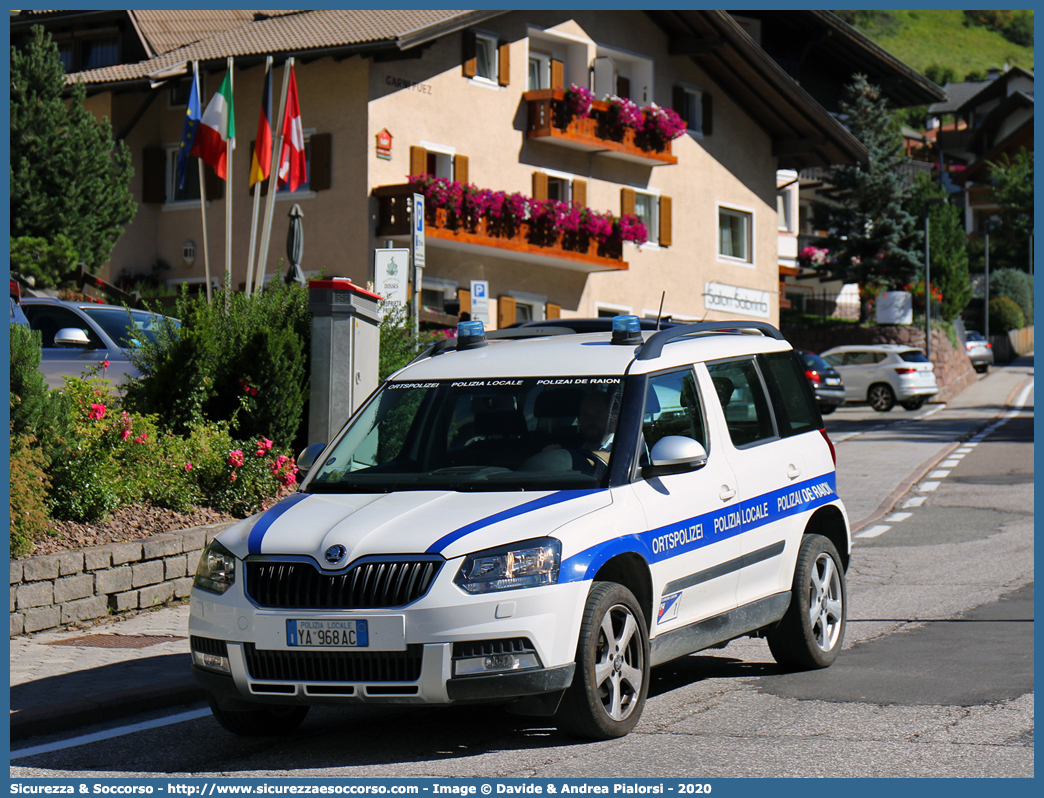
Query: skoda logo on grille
[335,554]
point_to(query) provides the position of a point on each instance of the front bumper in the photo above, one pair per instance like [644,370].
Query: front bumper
[832,397]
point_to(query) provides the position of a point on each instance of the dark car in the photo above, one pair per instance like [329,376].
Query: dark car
[826,382]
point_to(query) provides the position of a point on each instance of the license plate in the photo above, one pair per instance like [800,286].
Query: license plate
[327,634]
[833,380]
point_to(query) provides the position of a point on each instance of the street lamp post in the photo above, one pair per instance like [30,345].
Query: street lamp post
[986,323]
[928,279]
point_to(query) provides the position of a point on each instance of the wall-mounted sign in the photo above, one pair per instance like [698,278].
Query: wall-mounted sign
[384,144]
[894,307]
[391,276]
[412,85]
[480,301]
[735,299]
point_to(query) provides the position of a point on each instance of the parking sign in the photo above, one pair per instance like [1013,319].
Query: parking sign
[480,301]
[418,231]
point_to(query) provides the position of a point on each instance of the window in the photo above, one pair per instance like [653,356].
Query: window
[795,403]
[523,312]
[486,55]
[652,210]
[694,106]
[646,207]
[784,203]
[65,53]
[741,394]
[672,407]
[734,230]
[95,53]
[539,71]
[178,94]
[558,189]
[188,192]
[487,59]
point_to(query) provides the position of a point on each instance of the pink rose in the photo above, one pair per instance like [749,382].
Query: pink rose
[188,466]
[236,458]
[105,364]
[97,411]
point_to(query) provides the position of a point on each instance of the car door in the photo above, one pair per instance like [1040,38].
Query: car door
[57,361]
[856,367]
[767,465]
[693,554]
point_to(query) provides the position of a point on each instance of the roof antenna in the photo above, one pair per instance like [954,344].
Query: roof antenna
[660,314]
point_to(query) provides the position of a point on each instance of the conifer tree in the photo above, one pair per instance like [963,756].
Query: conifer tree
[69,179]
[873,238]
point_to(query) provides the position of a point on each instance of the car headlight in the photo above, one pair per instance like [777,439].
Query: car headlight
[217,569]
[530,563]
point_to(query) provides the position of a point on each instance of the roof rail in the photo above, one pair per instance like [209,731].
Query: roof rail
[508,333]
[654,346]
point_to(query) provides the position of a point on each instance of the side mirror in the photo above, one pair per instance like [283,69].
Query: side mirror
[307,459]
[72,336]
[674,454]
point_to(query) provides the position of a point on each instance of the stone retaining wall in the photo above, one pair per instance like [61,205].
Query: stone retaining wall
[54,590]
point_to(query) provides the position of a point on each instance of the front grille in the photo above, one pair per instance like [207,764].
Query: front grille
[369,585]
[335,666]
[487,648]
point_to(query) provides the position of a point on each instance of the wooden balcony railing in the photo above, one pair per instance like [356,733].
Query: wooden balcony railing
[534,244]
[549,120]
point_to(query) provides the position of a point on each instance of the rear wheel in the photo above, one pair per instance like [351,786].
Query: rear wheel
[813,629]
[881,397]
[265,721]
[915,404]
[612,667]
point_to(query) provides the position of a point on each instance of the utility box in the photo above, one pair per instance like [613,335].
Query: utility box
[345,353]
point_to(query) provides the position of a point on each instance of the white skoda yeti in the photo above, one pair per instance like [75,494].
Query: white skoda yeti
[536,523]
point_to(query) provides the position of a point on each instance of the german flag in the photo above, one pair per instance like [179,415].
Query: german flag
[261,162]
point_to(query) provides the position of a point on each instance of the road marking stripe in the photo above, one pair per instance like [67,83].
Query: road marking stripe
[916,501]
[873,532]
[950,464]
[897,517]
[108,734]
[927,487]
[939,475]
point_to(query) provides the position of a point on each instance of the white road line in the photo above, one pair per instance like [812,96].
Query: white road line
[939,475]
[873,532]
[897,517]
[927,487]
[932,412]
[950,464]
[119,731]
[915,501]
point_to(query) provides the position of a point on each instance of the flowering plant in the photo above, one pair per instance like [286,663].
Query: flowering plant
[917,293]
[630,228]
[578,101]
[813,256]
[624,113]
[663,125]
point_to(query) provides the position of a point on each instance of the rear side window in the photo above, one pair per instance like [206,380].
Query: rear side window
[914,357]
[795,404]
[742,396]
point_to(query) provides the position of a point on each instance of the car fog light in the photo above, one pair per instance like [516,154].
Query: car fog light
[496,663]
[212,662]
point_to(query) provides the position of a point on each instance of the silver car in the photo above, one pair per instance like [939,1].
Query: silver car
[980,352]
[78,335]
[883,374]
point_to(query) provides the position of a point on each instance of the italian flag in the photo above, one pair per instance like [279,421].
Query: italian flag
[217,130]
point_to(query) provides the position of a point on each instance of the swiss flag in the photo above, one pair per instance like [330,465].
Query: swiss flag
[292,167]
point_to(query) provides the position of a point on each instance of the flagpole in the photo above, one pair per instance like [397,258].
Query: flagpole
[257,191]
[229,192]
[273,177]
[203,198]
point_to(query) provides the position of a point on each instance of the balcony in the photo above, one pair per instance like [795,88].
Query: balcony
[549,120]
[520,242]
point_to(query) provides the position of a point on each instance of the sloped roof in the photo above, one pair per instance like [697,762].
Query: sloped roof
[996,88]
[299,34]
[957,94]
[163,31]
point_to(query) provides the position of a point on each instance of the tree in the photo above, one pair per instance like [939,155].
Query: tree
[873,238]
[949,253]
[1013,192]
[68,177]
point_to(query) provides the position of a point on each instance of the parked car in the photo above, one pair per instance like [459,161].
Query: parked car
[980,351]
[536,522]
[883,374]
[77,335]
[586,325]
[17,316]
[825,380]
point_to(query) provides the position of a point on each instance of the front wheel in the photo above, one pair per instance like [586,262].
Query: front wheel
[612,667]
[813,629]
[265,721]
[915,404]
[881,397]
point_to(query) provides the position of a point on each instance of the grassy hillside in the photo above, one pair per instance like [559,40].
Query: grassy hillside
[924,39]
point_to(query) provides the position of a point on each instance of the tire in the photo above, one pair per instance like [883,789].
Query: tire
[982,369]
[611,680]
[811,633]
[881,397]
[265,721]
[915,404]
[826,410]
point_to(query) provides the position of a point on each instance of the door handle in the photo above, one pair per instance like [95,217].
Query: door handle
[727,493]
[793,471]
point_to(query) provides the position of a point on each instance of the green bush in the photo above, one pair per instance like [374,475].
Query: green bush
[399,344]
[29,486]
[29,394]
[1016,284]
[1005,315]
[242,360]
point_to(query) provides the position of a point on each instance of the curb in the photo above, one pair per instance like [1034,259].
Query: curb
[904,487]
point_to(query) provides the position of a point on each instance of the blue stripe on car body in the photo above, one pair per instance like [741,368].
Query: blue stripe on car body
[264,523]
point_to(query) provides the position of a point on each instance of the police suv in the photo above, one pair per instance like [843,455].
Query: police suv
[536,522]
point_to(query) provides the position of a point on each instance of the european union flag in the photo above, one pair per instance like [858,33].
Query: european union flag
[188,130]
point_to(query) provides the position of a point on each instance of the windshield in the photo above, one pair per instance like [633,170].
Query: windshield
[531,433]
[120,324]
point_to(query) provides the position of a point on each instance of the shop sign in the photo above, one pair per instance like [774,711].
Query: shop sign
[391,276]
[736,299]
[384,145]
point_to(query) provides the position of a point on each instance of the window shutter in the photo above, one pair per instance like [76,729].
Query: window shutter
[505,311]
[464,298]
[319,168]
[557,74]
[708,115]
[580,192]
[460,168]
[470,61]
[154,175]
[539,186]
[215,185]
[626,201]
[264,183]
[552,311]
[665,221]
[504,64]
[418,161]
